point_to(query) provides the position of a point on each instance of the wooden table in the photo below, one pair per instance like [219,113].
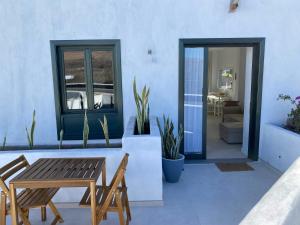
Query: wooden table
[217,101]
[60,172]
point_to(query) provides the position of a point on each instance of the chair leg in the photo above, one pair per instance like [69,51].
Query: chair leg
[3,209]
[120,209]
[24,217]
[127,207]
[43,213]
[26,213]
[58,217]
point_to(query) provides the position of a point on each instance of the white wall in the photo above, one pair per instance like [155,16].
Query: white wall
[27,26]
[222,58]
[280,146]
[241,77]
[248,54]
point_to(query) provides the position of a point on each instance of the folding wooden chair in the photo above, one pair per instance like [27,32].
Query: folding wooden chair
[112,198]
[26,199]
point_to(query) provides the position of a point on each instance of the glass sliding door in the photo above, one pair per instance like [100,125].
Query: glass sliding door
[194,100]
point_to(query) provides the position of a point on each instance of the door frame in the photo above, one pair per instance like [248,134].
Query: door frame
[258,45]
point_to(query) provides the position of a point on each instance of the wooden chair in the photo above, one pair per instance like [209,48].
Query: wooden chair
[112,198]
[26,199]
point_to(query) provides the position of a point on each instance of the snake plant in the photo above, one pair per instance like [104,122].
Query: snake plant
[170,143]
[61,135]
[86,130]
[104,126]
[142,107]
[30,133]
[4,142]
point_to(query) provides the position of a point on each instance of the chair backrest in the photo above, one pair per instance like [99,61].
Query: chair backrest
[123,165]
[10,169]
[116,181]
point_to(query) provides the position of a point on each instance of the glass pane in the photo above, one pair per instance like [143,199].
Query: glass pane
[103,79]
[75,80]
[193,106]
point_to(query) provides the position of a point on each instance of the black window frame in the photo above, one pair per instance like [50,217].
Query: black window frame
[64,116]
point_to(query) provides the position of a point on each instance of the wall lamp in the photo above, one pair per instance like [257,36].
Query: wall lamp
[233,5]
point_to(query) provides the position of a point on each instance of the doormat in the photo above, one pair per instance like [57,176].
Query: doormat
[231,167]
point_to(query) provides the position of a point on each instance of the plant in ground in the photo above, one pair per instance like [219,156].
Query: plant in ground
[293,122]
[142,108]
[30,133]
[61,135]
[170,143]
[4,142]
[86,130]
[104,126]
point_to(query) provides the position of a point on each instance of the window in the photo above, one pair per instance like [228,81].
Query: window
[87,77]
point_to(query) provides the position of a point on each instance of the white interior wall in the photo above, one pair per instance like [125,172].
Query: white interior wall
[209,71]
[214,70]
[247,98]
[222,58]
[25,64]
[241,77]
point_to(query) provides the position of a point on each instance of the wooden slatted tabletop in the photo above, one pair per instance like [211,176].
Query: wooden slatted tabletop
[68,171]
[60,172]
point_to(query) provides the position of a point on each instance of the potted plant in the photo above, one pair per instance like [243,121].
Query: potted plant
[172,161]
[293,120]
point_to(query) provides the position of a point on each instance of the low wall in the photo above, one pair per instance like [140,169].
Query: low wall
[144,171]
[280,147]
[281,204]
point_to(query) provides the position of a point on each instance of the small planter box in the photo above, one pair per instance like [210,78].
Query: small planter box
[280,147]
[144,176]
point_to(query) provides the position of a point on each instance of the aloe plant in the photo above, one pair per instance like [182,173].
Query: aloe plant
[61,135]
[142,107]
[86,130]
[104,126]
[4,142]
[170,143]
[30,133]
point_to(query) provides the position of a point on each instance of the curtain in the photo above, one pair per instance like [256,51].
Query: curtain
[193,107]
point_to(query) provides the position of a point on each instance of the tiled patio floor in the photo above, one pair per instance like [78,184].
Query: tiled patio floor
[204,196]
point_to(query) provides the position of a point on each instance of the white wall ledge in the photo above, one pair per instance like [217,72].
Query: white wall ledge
[279,147]
[281,204]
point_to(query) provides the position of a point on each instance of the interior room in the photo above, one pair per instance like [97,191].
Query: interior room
[228,100]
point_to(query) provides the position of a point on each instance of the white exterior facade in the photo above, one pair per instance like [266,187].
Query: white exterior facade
[28,26]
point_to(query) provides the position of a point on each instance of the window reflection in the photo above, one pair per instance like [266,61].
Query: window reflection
[103,82]
[75,80]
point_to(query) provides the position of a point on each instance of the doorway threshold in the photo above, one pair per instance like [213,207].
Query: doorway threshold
[206,161]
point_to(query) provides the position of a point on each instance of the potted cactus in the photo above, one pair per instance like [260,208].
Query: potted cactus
[172,161]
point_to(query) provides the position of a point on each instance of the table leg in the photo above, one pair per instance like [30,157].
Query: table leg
[14,210]
[93,202]
[104,182]
[215,107]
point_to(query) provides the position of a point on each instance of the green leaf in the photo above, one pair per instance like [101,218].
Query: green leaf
[104,126]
